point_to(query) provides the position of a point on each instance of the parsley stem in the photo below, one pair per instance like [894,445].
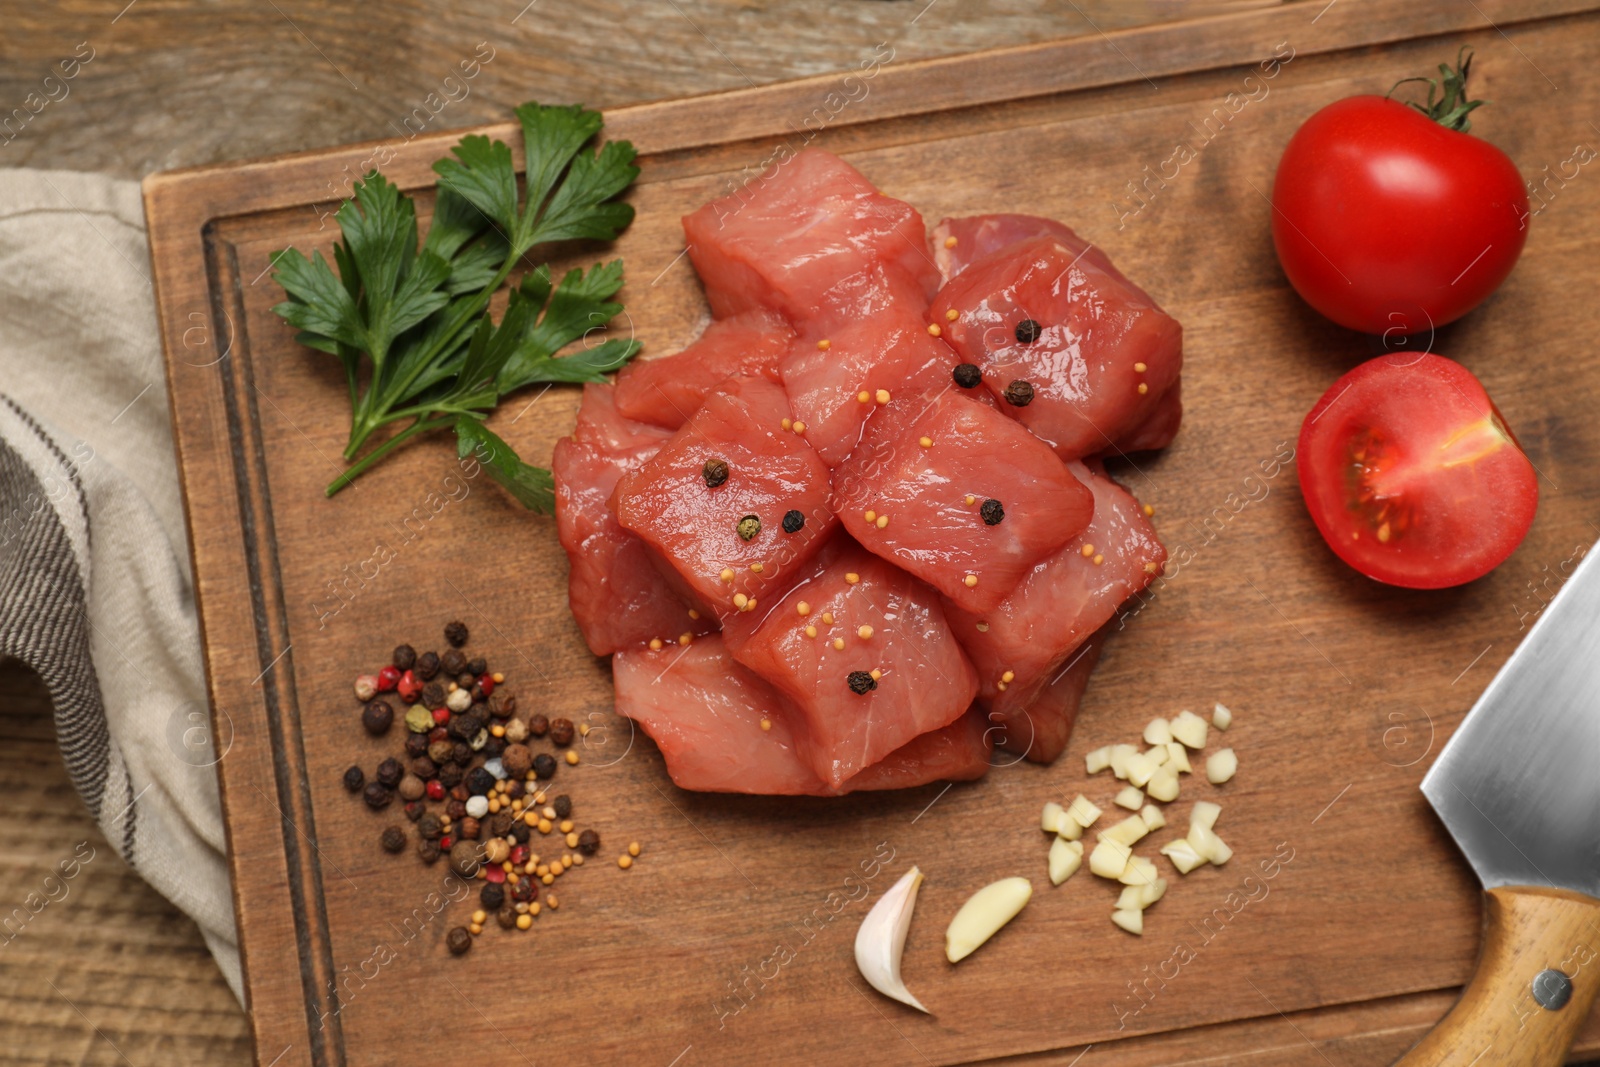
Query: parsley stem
[360,467]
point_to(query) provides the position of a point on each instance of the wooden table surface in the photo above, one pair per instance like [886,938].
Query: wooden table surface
[113,973]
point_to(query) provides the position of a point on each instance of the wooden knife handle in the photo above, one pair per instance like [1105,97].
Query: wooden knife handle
[1501,1019]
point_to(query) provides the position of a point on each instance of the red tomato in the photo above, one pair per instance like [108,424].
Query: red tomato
[1411,474]
[1390,223]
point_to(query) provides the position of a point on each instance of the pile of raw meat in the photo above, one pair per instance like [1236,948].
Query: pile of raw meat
[856,534]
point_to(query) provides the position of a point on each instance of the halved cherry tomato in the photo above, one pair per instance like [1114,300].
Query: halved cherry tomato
[1412,475]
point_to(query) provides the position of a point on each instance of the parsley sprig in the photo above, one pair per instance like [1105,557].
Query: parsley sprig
[416,318]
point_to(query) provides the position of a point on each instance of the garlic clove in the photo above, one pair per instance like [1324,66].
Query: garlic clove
[1221,717]
[982,916]
[1158,732]
[1109,859]
[1205,814]
[882,939]
[1065,859]
[1190,729]
[1221,765]
[1131,798]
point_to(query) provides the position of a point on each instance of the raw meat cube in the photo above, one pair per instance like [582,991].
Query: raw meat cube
[618,597]
[983,499]
[956,753]
[1041,730]
[859,615]
[979,236]
[699,530]
[1061,342]
[1064,599]
[786,237]
[666,391]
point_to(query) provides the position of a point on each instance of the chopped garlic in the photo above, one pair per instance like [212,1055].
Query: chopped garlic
[1221,765]
[1130,798]
[1182,855]
[1131,921]
[1157,754]
[1208,846]
[1157,732]
[1179,758]
[1140,768]
[1221,717]
[1127,832]
[1190,729]
[1205,814]
[984,913]
[1109,859]
[1119,759]
[1051,819]
[1139,871]
[1140,897]
[1083,812]
[1152,817]
[1065,858]
[1098,760]
[1069,828]
[1163,785]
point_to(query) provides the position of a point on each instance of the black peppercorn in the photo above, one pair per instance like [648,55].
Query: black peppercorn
[561,731]
[464,727]
[538,726]
[1019,393]
[502,706]
[390,772]
[968,375]
[466,681]
[416,745]
[748,527]
[354,779]
[1028,331]
[478,666]
[715,472]
[377,796]
[458,940]
[455,809]
[427,666]
[589,842]
[492,895]
[405,657]
[507,918]
[461,793]
[479,781]
[415,809]
[520,831]
[450,775]
[424,768]
[793,522]
[453,662]
[992,512]
[433,696]
[461,753]
[544,765]
[377,717]
[563,806]
[393,838]
[514,789]
[861,682]
[431,827]
[441,752]
[456,633]
[429,851]
[494,746]
[500,824]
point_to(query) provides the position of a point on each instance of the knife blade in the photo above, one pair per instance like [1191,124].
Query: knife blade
[1518,788]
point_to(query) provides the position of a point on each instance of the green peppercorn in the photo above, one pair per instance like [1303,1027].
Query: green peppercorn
[458,941]
[715,472]
[992,512]
[861,682]
[418,721]
[748,527]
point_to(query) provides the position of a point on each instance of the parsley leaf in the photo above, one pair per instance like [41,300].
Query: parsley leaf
[416,317]
[534,487]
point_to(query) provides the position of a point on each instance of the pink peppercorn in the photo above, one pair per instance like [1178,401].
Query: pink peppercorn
[486,683]
[494,874]
[441,715]
[435,790]
[410,687]
[388,678]
[366,687]
[445,842]
[519,855]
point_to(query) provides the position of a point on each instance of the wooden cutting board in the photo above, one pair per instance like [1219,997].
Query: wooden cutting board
[730,940]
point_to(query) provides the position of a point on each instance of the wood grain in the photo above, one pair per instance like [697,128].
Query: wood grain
[1525,932]
[678,951]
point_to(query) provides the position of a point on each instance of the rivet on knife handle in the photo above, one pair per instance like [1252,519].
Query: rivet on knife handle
[1538,973]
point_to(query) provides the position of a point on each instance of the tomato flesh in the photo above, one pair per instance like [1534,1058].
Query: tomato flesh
[1412,476]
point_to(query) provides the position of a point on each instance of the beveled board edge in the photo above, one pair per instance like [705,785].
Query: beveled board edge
[215,422]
